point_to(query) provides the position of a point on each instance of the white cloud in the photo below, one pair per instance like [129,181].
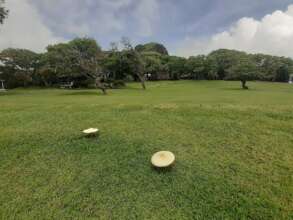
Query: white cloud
[33,24]
[100,18]
[273,34]
[147,13]
[24,28]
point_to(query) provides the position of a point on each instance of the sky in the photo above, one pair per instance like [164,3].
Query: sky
[185,27]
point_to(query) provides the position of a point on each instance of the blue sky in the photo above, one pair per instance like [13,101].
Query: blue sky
[176,24]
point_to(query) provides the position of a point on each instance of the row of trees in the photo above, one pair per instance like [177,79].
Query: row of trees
[83,62]
[222,64]
[80,60]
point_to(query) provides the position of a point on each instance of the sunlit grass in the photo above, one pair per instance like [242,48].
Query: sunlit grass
[234,152]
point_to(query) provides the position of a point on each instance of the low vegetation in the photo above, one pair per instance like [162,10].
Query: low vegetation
[234,155]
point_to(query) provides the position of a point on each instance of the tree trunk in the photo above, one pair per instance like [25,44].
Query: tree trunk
[243,82]
[100,85]
[45,82]
[142,81]
[99,77]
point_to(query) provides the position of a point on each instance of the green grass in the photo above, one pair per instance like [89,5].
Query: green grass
[234,152]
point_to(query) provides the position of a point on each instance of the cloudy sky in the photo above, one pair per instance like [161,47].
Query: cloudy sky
[185,27]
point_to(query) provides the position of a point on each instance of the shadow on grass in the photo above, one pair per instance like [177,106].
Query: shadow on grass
[237,89]
[133,88]
[80,93]
[97,92]
[87,137]
[163,170]
[7,93]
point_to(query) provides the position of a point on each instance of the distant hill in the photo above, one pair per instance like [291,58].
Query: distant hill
[152,47]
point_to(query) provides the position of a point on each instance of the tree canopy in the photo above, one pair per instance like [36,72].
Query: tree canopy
[3,12]
[20,66]
[133,61]
[77,59]
[244,69]
[196,67]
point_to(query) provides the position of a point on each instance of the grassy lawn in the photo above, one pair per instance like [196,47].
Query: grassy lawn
[234,152]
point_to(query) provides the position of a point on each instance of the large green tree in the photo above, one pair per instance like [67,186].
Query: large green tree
[176,67]
[18,66]
[60,59]
[112,63]
[282,74]
[87,55]
[133,62]
[46,73]
[273,68]
[223,60]
[244,70]
[155,68]
[56,64]
[80,57]
[124,64]
[196,66]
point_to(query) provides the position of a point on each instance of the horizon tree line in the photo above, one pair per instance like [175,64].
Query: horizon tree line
[83,62]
